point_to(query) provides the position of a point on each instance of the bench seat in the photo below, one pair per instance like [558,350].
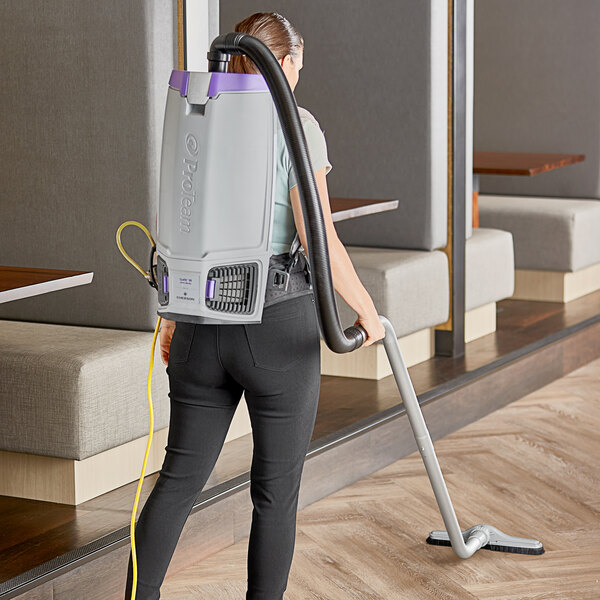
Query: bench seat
[74,406]
[489,277]
[489,267]
[556,242]
[411,288]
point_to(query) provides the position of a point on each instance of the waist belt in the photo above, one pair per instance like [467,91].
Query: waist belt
[289,277]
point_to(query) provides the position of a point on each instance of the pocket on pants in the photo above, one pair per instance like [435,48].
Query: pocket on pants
[181,342]
[279,341]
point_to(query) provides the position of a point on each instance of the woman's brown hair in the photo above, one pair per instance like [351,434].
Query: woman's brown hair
[273,30]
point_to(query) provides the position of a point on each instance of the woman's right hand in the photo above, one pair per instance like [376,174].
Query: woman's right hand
[166,334]
[372,324]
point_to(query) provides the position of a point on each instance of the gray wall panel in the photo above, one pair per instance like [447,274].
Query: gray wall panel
[368,79]
[83,95]
[537,89]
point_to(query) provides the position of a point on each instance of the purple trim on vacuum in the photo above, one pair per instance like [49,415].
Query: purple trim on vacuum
[165,284]
[235,82]
[210,288]
[180,80]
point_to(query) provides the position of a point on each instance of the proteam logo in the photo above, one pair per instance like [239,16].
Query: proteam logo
[187,193]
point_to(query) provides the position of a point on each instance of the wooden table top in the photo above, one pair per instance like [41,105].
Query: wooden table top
[521,163]
[350,208]
[23,282]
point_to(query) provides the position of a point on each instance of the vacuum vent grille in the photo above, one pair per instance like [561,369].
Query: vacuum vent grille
[234,288]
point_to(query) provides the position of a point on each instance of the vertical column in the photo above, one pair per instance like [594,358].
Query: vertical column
[450,336]
[180,35]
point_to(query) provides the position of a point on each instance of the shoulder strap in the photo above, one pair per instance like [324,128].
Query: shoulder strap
[295,245]
[293,252]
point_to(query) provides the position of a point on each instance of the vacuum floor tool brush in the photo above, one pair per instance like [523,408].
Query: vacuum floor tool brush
[210,263]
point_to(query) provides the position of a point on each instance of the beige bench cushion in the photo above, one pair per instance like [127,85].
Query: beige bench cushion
[554,234]
[409,287]
[489,267]
[72,392]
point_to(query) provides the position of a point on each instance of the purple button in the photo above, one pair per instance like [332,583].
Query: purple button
[210,288]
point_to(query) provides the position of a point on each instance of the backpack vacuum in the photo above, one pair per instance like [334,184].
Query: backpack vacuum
[210,263]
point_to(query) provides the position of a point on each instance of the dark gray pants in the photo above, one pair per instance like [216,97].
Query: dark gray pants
[277,365]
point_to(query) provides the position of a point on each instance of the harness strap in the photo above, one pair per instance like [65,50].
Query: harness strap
[295,245]
[293,253]
[279,275]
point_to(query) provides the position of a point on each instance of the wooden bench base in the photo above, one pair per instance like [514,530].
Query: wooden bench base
[69,481]
[480,321]
[372,362]
[556,286]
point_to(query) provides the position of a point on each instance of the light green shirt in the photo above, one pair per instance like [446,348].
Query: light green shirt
[284,227]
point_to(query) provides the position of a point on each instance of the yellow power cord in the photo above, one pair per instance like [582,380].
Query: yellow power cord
[148,276]
[128,258]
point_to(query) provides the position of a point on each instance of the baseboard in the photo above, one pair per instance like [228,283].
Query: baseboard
[556,286]
[69,481]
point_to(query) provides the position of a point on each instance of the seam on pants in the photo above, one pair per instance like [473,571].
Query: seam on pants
[218,349]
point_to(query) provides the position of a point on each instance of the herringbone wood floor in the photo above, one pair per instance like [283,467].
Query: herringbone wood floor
[531,469]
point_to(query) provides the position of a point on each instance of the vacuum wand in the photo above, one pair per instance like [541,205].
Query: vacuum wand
[464,543]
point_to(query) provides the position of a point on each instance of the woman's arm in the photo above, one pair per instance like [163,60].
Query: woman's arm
[345,280]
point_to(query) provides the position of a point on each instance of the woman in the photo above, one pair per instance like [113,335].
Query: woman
[276,364]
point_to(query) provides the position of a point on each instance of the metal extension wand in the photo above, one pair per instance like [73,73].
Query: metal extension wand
[467,542]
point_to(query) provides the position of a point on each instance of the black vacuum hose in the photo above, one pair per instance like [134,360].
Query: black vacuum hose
[336,338]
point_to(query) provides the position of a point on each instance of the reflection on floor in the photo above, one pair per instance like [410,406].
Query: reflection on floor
[530,469]
[34,532]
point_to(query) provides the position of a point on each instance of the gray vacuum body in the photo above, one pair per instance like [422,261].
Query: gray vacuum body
[215,211]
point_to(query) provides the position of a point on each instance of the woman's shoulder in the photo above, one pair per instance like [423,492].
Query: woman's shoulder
[307,117]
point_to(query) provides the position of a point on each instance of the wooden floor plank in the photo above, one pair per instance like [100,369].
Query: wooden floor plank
[530,468]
